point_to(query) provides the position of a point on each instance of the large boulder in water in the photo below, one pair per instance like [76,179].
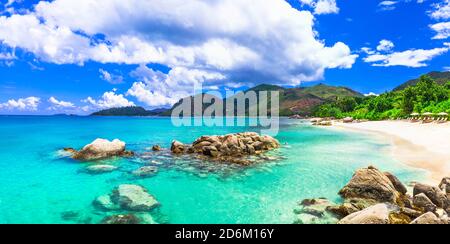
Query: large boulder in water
[228,148]
[134,197]
[100,149]
[370,183]
[377,214]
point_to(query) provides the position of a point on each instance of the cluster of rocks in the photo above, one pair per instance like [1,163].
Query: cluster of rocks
[100,149]
[374,197]
[232,148]
[321,121]
[133,198]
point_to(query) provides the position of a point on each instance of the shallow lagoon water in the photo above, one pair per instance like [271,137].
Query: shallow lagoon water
[37,185]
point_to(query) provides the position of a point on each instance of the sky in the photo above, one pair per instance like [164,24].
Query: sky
[76,57]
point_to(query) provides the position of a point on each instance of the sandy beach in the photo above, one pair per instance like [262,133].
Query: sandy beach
[425,146]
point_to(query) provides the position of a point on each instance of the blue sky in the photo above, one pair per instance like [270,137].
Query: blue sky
[68,56]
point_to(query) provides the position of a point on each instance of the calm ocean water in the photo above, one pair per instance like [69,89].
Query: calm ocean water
[37,185]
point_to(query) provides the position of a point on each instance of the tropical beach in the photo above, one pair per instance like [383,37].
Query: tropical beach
[174,112]
[419,145]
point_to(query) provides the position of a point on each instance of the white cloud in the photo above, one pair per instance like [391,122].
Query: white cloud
[110,78]
[387,5]
[22,104]
[441,10]
[244,41]
[108,100]
[322,6]
[442,29]
[155,88]
[411,58]
[385,45]
[56,104]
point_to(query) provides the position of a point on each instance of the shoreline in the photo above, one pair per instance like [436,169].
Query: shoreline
[423,146]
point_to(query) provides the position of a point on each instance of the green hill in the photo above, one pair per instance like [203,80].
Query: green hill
[439,77]
[302,101]
[128,111]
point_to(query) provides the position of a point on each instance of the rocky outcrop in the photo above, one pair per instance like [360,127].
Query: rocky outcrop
[373,197]
[133,197]
[127,197]
[229,148]
[100,149]
[370,183]
[377,214]
[438,197]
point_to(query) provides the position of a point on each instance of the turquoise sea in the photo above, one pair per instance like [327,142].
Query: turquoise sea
[39,185]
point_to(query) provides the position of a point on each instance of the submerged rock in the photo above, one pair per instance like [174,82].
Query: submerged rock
[100,149]
[121,219]
[315,211]
[133,197]
[370,183]
[99,169]
[146,171]
[378,214]
[105,203]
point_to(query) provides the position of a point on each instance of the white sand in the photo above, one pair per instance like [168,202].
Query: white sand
[425,146]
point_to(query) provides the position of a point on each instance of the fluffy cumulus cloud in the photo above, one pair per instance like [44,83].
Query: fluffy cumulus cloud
[108,100]
[384,56]
[22,104]
[59,104]
[226,37]
[410,58]
[441,10]
[179,82]
[322,6]
[385,45]
[442,30]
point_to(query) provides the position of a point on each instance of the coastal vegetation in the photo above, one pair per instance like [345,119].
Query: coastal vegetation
[425,96]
